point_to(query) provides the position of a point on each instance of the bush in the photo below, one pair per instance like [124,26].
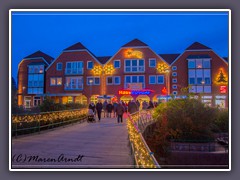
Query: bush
[186,119]
[49,105]
[222,120]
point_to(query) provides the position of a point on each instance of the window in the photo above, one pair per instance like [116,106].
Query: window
[74,67]
[93,80]
[70,99]
[36,101]
[174,74]
[207,89]
[59,66]
[160,79]
[134,65]
[191,64]
[134,79]
[174,68]
[113,80]
[55,81]
[117,80]
[206,63]
[152,62]
[174,80]
[174,86]
[74,83]
[152,79]
[89,65]
[175,92]
[36,69]
[116,63]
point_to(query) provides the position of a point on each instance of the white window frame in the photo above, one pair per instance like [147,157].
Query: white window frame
[71,73]
[119,64]
[107,80]
[174,86]
[74,77]
[88,65]
[175,92]
[56,78]
[59,64]
[174,80]
[150,59]
[125,77]
[94,81]
[157,79]
[174,68]
[174,74]
[154,77]
[119,80]
[134,66]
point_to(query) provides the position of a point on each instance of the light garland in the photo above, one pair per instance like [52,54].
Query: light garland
[162,68]
[108,69]
[49,116]
[143,157]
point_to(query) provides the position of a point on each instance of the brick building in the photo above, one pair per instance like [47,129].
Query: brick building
[135,71]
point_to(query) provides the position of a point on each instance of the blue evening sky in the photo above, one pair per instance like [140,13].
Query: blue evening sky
[104,33]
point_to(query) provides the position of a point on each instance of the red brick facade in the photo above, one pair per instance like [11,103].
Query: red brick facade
[104,69]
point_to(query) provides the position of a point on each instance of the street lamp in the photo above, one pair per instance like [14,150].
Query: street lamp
[90,81]
[167,71]
[23,88]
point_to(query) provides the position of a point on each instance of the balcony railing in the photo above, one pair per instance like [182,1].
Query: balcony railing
[78,86]
[73,71]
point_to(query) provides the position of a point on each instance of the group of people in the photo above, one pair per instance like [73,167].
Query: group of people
[117,109]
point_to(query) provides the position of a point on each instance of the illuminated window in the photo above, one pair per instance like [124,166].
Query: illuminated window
[59,66]
[152,62]
[93,80]
[89,65]
[55,81]
[117,64]
[35,69]
[113,80]
[70,99]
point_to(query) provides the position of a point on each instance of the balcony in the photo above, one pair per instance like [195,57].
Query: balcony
[73,71]
[71,87]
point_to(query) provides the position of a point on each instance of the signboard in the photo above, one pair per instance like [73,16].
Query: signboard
[134,92]
[223,89]
[134,86]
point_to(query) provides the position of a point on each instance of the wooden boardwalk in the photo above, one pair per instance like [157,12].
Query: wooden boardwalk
[88,145]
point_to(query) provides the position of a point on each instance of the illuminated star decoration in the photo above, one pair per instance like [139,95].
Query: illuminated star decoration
[97,70]
[162,68]
[108,69]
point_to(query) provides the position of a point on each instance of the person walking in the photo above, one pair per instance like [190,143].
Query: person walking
[138,105]
[132,107]
[115,109]
[105,108]
[93,107]
[150,106]
[144,105]
[99,107]
[120,111]
[109,109]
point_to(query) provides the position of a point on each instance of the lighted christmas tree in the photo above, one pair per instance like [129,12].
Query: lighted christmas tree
[221,78]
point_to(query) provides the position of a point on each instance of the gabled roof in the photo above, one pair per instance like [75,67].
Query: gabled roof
[76,46]
[169,58]
[197,46]
[103,59]
[198,56]
[40,54]
[226,59]
[135,42]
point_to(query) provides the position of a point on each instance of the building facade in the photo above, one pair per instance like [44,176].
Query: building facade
[135,71]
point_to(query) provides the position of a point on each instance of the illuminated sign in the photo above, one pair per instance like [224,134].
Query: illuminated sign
[223,89]
[134,92]
[164,91]
[133,53]
[221,77]
[134,86]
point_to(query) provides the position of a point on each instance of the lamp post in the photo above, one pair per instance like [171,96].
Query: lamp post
[23,88]
[90,81]
[167,71]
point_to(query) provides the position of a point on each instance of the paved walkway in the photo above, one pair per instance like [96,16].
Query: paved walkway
[102,144]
